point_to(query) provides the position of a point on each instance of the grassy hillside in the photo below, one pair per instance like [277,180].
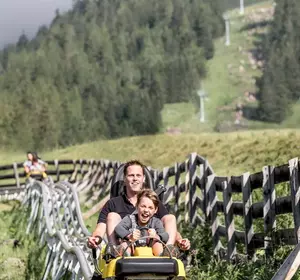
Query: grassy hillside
[12,261]
[25,261]
[228,153]
[231,73]
[231,4]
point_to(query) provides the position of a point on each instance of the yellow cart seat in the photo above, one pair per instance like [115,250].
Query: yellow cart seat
[160,266]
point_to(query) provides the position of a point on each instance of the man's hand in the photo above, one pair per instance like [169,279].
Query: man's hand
[93,241]
[184,244]
[152,232]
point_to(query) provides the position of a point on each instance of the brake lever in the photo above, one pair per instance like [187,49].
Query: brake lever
[94,251]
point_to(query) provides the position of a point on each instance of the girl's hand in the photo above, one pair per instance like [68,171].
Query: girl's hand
[152,232]
[136,234]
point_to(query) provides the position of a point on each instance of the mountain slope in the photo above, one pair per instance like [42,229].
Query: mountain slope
[231,79]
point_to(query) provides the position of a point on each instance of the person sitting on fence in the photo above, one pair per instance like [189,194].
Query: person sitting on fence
[130,228]
[118,207]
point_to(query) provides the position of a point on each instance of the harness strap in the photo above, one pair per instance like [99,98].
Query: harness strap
[134,226]
[133,221]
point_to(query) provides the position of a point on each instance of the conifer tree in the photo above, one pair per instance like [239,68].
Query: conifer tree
[279,86]
[105,69]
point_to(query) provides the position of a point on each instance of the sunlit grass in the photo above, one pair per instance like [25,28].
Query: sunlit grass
[12,260]
[228,153]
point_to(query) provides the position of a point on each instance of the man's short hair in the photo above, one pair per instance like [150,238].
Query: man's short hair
[131,163]
[149,194]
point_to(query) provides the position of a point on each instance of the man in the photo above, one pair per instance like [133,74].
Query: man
[118,207]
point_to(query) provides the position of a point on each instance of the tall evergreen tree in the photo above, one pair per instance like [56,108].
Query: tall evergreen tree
[280,80]
[105,69]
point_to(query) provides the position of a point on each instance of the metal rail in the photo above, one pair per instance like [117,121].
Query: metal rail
[55,213]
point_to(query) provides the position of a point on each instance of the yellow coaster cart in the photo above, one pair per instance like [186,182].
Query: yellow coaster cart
[141,266]
[36,174]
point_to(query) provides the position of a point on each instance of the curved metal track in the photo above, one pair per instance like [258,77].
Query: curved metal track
[56,216]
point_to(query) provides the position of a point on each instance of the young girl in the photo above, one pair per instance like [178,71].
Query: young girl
[129,228]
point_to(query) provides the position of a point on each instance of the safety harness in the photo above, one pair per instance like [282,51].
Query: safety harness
[134,225]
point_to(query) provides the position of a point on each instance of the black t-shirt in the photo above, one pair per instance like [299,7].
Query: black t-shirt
[123,207]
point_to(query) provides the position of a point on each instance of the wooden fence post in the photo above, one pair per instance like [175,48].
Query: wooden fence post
[192,188]
[16,172]
[177,192]
[155,177]
[229,220]
[248,217]
[166,176]
[213,213]
[269,207]
[102,177]
[106,171]
[73,176]
[166,181]
[81,167]
[92,164]
[295,193]
[210,180]
[90,168]
[56,164]
[187,192]
[203,179]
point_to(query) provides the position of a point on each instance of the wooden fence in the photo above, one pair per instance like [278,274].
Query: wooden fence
[12,176]
[240,209]
[204,197]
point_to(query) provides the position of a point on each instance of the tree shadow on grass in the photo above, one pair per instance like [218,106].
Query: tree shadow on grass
[251,113]
[254,25]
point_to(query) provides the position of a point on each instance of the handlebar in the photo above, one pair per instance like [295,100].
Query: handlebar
[94,252]
[36,173]
[146,229]
[145,237]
